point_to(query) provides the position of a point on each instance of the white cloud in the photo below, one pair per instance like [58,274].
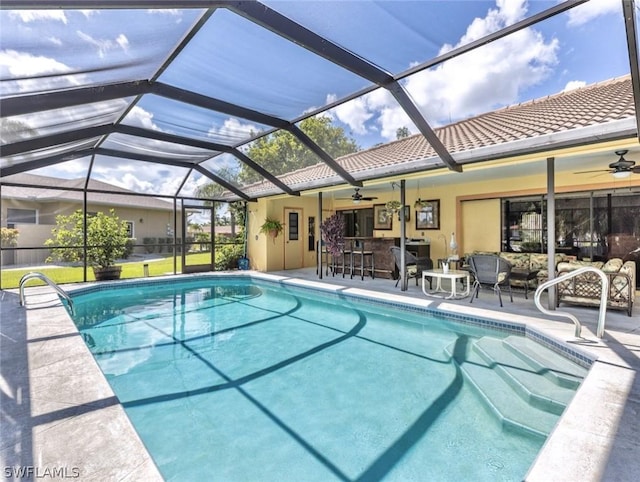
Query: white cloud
[104,45]
[174,12]
[144,178]
[485,78]
[233,130]
[28,16]
[574,84]
[21,65]
[123,42]
[478,81]
[590,10]
[139,117]
[355,113]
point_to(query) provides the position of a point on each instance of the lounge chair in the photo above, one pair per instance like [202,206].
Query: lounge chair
[414,265]
[491,271]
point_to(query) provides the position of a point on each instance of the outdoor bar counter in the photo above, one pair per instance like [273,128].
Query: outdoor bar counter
[385,266]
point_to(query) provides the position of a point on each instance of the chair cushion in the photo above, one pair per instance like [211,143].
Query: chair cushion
[565,266]
[517,260]
[612,266]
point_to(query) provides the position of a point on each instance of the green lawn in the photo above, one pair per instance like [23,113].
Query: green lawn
[11,277]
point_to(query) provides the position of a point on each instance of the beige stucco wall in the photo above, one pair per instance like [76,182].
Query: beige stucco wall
[471,209]
[480,225]
[146,223]
[266,254]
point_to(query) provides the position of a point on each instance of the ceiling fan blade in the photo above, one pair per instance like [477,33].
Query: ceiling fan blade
[596,170]
[635,169]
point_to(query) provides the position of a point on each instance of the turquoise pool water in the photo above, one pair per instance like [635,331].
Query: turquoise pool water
[234,380]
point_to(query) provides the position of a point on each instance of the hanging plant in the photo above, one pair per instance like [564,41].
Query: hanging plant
[272,227]
[393,206]
[332,230]
[420,203]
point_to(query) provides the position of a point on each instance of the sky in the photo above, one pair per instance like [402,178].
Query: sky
[236,61]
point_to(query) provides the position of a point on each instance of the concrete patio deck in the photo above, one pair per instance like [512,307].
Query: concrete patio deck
[61,419]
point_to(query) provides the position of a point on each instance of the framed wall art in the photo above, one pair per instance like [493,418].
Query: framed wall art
[428,215]
[382,218]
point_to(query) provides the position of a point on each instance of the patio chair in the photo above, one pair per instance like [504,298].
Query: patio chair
[492,271]
[414,265]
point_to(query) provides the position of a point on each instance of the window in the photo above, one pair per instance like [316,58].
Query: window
[583,222]
[311,245]
[130,229]
[358,222]
[293,226]
[21,216]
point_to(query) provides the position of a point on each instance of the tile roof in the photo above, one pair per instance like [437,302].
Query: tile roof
[591,105]
[55,189]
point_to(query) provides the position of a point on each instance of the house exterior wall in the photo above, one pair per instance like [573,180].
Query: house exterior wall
[146,223]
[266,254]
[470,209]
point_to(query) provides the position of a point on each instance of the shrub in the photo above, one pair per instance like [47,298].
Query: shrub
[149,244]
[9,237]
[227,256]
[106,239]
[129,247]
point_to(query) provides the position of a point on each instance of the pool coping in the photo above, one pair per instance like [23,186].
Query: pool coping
[589,434]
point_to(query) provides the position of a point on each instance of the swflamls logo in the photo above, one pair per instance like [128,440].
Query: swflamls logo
[29,471]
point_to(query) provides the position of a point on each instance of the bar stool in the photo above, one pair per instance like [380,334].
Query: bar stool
[345,254]
[364,256]
[323,258]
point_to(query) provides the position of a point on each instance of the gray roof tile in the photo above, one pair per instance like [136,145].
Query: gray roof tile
[590,105]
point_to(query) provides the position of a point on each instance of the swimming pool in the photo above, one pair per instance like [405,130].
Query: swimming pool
[229,379]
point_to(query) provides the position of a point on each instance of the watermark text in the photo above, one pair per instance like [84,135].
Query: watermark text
[17,472]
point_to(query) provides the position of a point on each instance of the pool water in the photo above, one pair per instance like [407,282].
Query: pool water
[235,380]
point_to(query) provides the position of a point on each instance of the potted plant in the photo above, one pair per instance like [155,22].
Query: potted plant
[393,206]
[271,227]
[107,238]
[332,230]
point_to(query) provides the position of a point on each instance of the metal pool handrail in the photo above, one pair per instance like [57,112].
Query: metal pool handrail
[604,290]
[41,276]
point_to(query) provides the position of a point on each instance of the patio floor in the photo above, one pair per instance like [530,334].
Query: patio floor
[60,417]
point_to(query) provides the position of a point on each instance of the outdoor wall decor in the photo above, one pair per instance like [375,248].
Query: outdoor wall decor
[428,216]
[382,218]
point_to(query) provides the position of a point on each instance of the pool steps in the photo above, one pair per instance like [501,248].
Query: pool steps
[497,368]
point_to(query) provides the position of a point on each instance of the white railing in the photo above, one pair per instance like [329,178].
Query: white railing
[40,276]
[603,298]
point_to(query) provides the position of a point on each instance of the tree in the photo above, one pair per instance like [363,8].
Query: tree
[282,152]
[402,132]
[107,238]
[13,131]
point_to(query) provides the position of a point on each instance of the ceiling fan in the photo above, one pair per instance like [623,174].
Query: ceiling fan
[620,169]
[356,197]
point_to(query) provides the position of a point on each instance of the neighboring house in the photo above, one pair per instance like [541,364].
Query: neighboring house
[33,210]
